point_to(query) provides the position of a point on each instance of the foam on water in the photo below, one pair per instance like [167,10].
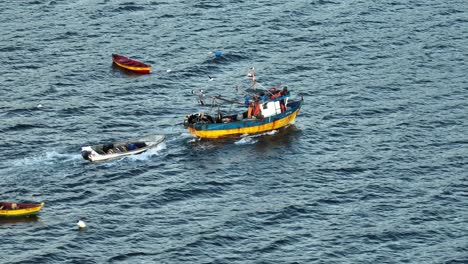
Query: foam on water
[149,153]
[247,140]
[47,158]
[374,169]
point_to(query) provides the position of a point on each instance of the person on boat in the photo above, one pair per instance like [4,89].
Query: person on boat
[121,148]
[107,147]
[250,110]
[276,94]
[256,109]
[247,101]
[131,146]
[284,92]
[272,90]
[282,106]
[140,144]
[219,117]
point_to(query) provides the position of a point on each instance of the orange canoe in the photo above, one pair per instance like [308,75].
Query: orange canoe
[19,209]
[131,65]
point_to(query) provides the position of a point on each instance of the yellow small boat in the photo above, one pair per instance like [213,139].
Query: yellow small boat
[19,209]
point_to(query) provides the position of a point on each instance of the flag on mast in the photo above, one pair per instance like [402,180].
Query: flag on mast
[251,75]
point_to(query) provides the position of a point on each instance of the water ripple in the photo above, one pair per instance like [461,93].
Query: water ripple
[373,169]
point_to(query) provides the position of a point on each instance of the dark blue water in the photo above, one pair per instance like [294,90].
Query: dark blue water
[375,169]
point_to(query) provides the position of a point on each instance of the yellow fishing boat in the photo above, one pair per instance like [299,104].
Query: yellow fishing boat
[262,110]
[19,209]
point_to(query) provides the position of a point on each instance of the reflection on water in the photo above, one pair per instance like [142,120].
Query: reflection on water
[209,153]
[282,136]
[12,220]
[119,71]
[275,138]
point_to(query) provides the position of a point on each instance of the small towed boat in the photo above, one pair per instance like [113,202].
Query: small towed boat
[267,109]
[19,209]
[120,149]
[131,65]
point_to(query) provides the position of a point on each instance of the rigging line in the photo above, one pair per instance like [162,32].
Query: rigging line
[249,70]
[227,100]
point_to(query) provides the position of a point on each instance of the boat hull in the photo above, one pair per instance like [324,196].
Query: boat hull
[24,209]
[142,70]
[131,65]
[249,126]
[117,155]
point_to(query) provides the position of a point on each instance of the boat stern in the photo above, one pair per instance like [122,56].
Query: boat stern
[87,153]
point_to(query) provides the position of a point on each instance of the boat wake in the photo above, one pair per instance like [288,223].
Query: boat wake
[246,141]
[48,158]
[252,139]
[272,132]
[156,151]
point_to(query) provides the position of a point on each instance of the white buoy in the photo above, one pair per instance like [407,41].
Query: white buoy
[81,224]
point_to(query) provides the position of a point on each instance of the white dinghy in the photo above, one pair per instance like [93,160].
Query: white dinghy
[120,149]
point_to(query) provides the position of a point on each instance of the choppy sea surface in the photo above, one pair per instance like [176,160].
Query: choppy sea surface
[374,170]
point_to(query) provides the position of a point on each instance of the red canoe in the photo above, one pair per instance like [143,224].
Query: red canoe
[131,65]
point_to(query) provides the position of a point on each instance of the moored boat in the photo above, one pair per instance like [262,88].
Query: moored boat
[120,149]
[130,64]
[8,209]
[267,109]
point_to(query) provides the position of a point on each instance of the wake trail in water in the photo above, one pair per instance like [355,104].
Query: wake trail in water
[246,141]
[252,139]
[47,158]
[157,151]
